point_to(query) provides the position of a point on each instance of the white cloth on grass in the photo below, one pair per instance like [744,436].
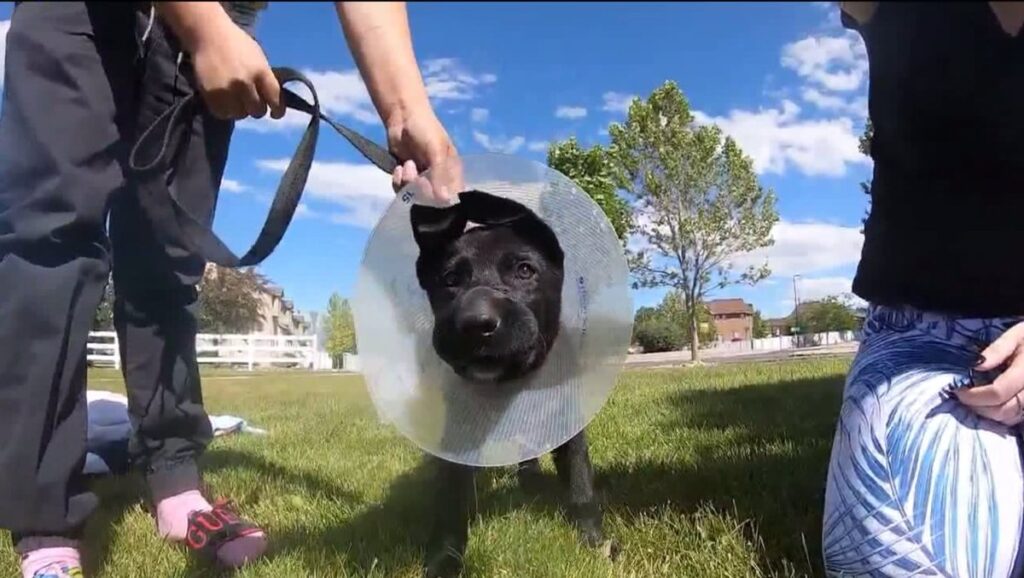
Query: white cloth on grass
[109,429]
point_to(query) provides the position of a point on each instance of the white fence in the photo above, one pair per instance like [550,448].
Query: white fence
[781,342]
[249,351]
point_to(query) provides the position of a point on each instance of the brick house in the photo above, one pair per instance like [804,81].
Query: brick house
[733,318]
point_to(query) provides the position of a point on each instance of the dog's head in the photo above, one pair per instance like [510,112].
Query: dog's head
[495,289]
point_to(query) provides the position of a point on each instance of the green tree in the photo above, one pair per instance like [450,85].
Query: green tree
[667,327]
[864,145]
[761,329]
[829,314]
[697,198]
[103,319]
[341,329]
[673,306]
[229,300]
[592,170]
[658,333]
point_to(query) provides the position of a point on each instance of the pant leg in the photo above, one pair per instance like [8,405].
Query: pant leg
[918,484]
[67,85]
[155,278]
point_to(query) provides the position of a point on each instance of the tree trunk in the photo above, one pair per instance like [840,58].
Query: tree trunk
[694,335]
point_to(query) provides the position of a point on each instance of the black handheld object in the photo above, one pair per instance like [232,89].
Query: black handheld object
[201,238]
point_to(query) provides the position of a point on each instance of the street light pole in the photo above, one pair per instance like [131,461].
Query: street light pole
[796,309]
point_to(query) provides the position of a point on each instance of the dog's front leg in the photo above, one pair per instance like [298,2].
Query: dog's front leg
[572,461]
[453,498]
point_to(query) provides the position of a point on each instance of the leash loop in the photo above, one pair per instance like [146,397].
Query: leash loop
[203,240]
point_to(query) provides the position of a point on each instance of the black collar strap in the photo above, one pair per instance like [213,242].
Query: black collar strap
[201,238]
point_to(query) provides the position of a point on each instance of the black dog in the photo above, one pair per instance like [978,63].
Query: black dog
[495,293]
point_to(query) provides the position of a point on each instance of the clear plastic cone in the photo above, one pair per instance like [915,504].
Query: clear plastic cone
[413,389]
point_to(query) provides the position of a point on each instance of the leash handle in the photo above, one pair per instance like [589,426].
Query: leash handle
[289,190]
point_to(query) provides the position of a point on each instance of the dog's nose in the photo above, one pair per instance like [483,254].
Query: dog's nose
[479,323]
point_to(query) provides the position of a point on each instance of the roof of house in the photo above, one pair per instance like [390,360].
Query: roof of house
[729,307]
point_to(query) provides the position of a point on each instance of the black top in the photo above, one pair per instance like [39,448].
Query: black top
[946,98]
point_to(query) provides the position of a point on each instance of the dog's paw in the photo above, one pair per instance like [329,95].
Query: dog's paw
[590,532]
[531,477]
[443,566]
[442,563]
[609,549]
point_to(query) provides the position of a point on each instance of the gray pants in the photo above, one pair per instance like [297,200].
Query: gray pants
[82,81]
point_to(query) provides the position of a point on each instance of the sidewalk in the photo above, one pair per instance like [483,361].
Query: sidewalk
[669,358]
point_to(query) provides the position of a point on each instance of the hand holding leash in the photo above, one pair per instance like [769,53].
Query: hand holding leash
[201,238]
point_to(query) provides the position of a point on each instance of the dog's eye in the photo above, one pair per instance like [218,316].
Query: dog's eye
[451,279]
[525,271]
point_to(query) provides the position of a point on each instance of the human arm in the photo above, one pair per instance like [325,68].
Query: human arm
[232,73]
[380,41]
[860,11]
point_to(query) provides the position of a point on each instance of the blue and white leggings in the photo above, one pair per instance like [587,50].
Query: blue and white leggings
[918,484]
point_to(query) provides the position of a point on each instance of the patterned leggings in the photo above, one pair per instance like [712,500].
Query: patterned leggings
[918,484]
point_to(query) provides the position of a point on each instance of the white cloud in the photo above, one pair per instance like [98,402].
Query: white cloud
[833,73]
[777,138]
[304,212]
[538,146]
[617,101]
[5,25]
[447,79]
[806,248]
[835,63]
[343,94]
[570,112]
[818,288]
[232,186]
[499,144]
[362,190]
[479,114]
[815,288]
[830,102]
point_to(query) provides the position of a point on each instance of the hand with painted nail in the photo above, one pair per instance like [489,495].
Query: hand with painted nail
[423,144]
[1002,400]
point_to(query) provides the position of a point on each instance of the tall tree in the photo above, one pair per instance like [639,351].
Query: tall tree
[673,306]
[667,327]
[829,314]
[341,329]
[864,145]
[698,201]
[592,170]
[230,300]
[103,319]
[761,329]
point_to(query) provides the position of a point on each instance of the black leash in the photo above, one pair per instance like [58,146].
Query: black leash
[202,238]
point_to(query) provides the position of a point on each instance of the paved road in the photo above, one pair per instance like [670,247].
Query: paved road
[678,358]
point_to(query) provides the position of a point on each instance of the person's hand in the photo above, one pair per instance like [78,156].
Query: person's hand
[422,143]
[1002,400]
[233,75]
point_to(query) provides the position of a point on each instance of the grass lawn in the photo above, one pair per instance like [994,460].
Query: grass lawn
[707,472]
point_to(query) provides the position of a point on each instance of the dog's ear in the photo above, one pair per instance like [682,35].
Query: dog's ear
[492,210]
[434,227]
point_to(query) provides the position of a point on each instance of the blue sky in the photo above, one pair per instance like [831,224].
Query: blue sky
[783,78]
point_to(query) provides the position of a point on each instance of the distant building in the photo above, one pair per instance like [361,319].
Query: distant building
[278,315]
[733,319]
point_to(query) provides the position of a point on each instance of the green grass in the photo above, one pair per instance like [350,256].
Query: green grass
[707,472]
